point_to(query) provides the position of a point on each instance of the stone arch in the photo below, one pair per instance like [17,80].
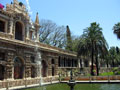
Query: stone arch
[2,72]
[19,26]
[18,68]
[44,68]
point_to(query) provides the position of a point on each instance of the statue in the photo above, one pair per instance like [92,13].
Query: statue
[71,82]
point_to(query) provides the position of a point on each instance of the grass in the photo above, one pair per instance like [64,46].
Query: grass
[107,74]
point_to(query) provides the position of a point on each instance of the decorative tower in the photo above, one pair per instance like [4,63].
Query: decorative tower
[37,27]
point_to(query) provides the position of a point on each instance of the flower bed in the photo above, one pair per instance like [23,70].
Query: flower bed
[94,78]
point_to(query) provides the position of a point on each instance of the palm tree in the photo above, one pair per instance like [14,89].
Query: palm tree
[114,56]
[94,43]
[116,29]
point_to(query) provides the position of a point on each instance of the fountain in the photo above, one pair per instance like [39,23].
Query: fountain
[71,82]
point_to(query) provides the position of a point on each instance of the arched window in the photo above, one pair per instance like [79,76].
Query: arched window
[18,68]
[2,26]
[44,69]
[2,71]
[18,31]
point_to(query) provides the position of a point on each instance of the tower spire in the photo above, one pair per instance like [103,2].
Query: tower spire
[37,20]
[37,27]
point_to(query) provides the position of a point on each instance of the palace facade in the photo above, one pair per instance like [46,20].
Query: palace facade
[23,59]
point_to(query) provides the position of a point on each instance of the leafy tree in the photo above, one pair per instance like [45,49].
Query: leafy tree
[114,56]
[52,34]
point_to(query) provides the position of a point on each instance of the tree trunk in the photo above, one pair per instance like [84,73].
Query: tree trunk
[92,60]
[96,60]
[113,63]
[97,67]
[107,64]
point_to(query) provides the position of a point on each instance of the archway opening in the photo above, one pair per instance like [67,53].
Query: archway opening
[18,68]
[44,69]
[2,71]
[18,31]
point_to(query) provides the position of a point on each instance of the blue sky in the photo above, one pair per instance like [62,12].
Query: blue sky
[78,14]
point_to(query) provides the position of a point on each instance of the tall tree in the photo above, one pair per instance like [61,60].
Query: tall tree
[69,40]
[95,42]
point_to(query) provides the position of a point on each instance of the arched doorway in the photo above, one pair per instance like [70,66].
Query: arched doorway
[44,69]
[18,68]
[18,31]
[2,71]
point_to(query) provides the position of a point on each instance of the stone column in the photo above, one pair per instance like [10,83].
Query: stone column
[49,73]
[10,65]
[56,66]
[27,29]
[27,73]
[37,38]
[11,26]
[79,63]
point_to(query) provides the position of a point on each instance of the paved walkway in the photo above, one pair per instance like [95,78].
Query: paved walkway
[30,86]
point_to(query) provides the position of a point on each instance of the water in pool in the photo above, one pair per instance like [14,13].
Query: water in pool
[79,87]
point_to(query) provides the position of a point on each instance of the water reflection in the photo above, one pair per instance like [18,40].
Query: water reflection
[110,87]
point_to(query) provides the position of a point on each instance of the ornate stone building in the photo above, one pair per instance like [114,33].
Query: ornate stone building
[23,58]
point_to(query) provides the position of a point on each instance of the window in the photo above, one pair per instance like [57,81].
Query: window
[32,58]
[2,56]
[18,68]
[59,62]
[18,31]
[52,61]
[33,72]
[2,26]
[31,35]
[44,69]
[2,71]
[53,71]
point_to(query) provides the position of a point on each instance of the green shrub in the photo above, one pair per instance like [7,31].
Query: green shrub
[106,74]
